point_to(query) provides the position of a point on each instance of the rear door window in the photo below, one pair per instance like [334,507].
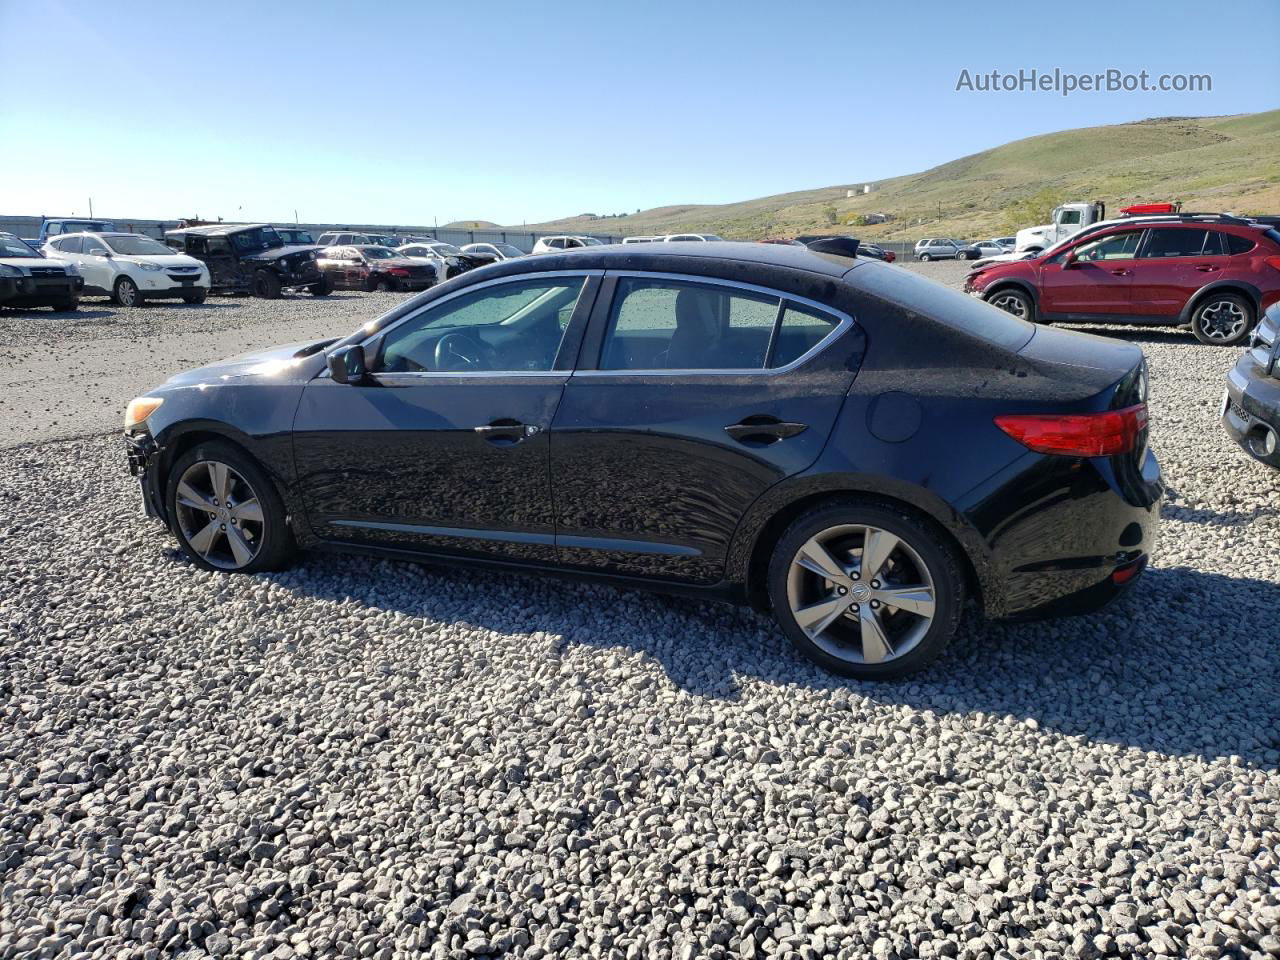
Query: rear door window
[1166,242]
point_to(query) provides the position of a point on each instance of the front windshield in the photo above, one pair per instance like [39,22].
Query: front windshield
[137,246]
[13,247]
[259,238]
[446,249]
[507,250]
[379,253]
[298,236]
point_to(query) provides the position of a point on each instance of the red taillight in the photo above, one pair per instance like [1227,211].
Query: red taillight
[1078,434]
[1273,262]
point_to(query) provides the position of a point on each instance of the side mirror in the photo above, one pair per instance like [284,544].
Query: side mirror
[1068,260]
[346,365]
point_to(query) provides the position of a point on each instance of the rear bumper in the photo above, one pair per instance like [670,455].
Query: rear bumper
[1085,536]
[38,291]
[1251,411]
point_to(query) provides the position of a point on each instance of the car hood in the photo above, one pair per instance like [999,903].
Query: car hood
[275,253]
[292,363]
[399,262]
[33,262]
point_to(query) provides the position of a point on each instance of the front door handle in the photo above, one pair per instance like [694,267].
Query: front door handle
[507,432]
[1206,268]
[763,429]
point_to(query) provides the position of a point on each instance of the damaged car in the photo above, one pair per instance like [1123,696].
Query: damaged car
[251,258]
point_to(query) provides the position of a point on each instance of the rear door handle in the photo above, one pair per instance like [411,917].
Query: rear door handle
[1119,273]
[507,432]
[1206,268]
[763,429]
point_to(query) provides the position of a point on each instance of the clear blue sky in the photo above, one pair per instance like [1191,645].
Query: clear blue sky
[382,111]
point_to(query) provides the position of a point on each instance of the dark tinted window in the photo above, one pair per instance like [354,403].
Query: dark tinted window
[1237,244]
[513,326]
[93,247]
[671,325]
[219,246]
[1166,242]
[938,303]
[801,330]
[70,245]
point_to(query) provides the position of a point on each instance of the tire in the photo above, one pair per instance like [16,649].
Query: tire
[839,637]
[1014,301]
[323,288]
[925,258]
[68,305]
[266,285]
[197,297]
[388,286]
[1223,320]
[125,293]
[268,539]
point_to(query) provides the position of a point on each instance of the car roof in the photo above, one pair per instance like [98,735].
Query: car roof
[674,257]
[218,229]
[104,233]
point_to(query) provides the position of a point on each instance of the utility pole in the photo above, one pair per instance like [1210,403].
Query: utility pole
[91,208]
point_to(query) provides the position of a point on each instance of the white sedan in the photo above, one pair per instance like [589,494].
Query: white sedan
[131,268]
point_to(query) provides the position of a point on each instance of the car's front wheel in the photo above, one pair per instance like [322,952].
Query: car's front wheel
[925,257]
[266,285]
[125,293]
[197,297]
[323,288]
[67,305]
[865,590]
[1014,301]
[1223,320]
[225,511]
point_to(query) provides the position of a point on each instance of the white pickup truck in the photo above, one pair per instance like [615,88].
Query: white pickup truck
[1067,219]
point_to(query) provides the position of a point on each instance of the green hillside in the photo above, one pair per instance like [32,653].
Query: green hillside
[1209,163]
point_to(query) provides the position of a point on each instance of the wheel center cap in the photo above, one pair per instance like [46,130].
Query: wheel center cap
[224,515]
[860,592]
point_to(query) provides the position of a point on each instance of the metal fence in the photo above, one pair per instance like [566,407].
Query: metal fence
[524,239]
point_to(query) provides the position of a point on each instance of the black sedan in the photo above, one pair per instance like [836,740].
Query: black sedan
[849,446]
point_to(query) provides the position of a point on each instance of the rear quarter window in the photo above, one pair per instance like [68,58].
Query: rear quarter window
[938,303]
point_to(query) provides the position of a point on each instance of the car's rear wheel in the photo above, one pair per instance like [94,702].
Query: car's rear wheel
[1223,320]
[1014,301]
[865,590]
[226,512]
[197,297]
[266,285]
[125,293]
[323,288]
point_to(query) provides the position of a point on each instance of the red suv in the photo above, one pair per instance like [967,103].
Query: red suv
[1217,274]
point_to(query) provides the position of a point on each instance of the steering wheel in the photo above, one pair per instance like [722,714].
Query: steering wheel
[459,352]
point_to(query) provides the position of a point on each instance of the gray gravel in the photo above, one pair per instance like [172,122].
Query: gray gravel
[373,759]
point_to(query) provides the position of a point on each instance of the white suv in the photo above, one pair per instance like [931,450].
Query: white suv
[560,244]
[131,268]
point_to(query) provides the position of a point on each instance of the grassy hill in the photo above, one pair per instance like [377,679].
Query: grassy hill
[1209,163]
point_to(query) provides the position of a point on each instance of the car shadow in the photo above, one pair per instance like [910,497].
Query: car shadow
[1158,670]
[1140,334]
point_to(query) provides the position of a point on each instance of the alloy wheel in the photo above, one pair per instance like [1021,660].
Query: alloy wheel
[127,292]
[1223,320]
[219,514]
[1011,303]
[861,593]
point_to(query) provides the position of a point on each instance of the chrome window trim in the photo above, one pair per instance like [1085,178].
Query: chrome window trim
[490,374]
[845,323]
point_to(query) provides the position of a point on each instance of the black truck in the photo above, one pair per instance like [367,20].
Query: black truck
[251,258]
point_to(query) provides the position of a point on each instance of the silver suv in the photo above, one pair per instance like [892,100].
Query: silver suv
[937,249]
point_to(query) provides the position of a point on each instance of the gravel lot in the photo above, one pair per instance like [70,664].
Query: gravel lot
[359,758]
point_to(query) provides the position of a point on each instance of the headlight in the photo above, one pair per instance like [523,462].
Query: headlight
[139,409]
[8,271]
[150,266]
